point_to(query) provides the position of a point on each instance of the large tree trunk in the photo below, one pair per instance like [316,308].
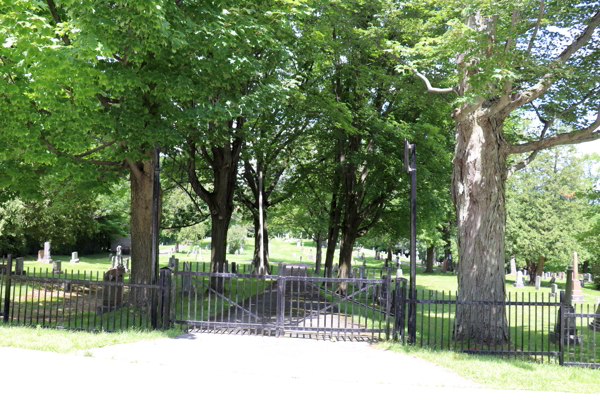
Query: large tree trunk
[218,243]
[349,236]
[447,246]
[333,233]
[142,180]
[319,253]
[478,193]
[224,166]
[430,257]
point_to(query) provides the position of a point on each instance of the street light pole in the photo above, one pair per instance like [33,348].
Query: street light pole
[410,163]
[155,231]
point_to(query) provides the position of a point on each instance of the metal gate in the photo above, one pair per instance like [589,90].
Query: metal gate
[292,303]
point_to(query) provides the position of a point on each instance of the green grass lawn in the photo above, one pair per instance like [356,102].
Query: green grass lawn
[508,374]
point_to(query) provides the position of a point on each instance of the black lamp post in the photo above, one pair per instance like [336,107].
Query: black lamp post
[155,231]
[410,163]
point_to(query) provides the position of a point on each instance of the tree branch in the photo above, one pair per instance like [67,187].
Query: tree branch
[577,136]
[134,169]
[52,6]
[430,88]
[527,96]
[87,153]
[537,27]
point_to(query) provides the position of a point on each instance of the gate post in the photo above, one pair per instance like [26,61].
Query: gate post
[388,304]
[7,272]
[165,298]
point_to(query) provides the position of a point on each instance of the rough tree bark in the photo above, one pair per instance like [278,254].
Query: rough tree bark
[478,194]
[480,171]
[142,181]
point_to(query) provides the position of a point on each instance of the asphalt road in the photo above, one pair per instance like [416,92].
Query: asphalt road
[234,367]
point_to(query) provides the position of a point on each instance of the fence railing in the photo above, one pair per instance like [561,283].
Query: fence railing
[537,327]
[81,301]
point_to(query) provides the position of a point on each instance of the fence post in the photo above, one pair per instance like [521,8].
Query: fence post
[165,290]
[7,272]
[398,309]
[561,345]
[388,304]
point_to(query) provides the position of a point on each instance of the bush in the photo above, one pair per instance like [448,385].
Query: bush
[597,282]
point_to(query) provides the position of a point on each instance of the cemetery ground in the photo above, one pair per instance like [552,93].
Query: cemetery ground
[432,321]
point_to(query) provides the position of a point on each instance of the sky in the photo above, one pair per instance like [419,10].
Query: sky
[589,147]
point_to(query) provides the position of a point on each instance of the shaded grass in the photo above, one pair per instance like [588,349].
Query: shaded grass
[508,374]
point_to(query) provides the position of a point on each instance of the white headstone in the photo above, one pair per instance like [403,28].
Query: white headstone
[519,281]
[538,280]
[47,255]
[74,257]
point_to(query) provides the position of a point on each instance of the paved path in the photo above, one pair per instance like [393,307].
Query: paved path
[237,366]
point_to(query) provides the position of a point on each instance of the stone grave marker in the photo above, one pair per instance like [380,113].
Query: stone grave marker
[595,324]
[19,270]
[40,256]
[74,257]
[552,280]
[553,290]
[399,273]
[186,281]
[570,335]
[56,267]
[519,281]
[112,297]
[47,256]
[538,280]
[577,293]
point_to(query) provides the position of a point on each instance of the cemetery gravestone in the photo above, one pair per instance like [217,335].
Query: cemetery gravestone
[40,256]
[595,324]
[19,270]
[553,290]
[112,296]
[74,257]
[519,281]
[56,267]
[47,257]
[538,280]
[186,280]
[577,293]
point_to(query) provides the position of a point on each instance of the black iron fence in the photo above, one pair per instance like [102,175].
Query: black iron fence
[297,301]
[82,301]
[290,301]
